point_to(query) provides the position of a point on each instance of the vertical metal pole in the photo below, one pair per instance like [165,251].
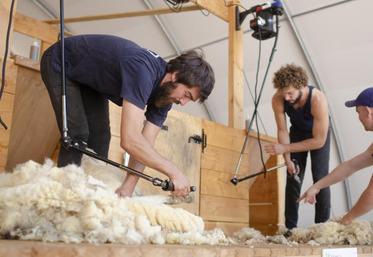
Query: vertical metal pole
[63,77]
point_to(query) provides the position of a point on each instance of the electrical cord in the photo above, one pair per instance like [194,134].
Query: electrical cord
[3,70]
[174,6]
[257,98]
[252,98]
[256,103]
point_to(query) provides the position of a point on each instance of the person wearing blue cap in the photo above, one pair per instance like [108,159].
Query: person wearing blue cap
[364,107]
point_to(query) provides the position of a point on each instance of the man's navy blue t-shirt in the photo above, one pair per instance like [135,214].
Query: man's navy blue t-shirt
[115,67]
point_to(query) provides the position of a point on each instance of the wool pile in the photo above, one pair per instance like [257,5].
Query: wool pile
[43,202]
[78,204]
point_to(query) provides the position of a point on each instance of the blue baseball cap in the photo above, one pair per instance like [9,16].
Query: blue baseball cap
[365,98]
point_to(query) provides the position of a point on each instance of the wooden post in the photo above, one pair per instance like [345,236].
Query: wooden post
[235,72]
[226,10]
[4,19]
[7,100]
[216,7]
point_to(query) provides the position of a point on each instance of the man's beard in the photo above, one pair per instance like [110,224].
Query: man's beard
[162,94]
[297,99]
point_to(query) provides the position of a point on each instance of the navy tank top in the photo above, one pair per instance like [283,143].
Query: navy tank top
[301,119]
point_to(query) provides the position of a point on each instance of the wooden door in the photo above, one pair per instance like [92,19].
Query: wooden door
[223,204]
[174,144]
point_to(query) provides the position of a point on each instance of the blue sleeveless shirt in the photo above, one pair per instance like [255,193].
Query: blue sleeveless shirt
[301,119]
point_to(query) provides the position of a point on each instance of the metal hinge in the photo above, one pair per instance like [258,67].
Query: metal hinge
[199,140]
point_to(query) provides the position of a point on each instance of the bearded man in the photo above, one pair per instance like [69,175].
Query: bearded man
[100,68]
[307,109]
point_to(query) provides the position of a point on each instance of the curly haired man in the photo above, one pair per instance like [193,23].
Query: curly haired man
[307,109]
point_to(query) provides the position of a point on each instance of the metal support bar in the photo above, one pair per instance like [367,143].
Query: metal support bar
[321,8]
[250,30]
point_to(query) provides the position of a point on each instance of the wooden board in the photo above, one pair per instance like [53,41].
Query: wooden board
[115,113]
[4,20]
[223,202]
[266,200]
[224,209]
[229,228]
[123,15]
[218,184]
[223,160]
[235,73]
[34,132]
[173,144]
[6,111]
[39,249]
[217,7]
[116,153]
[36,28]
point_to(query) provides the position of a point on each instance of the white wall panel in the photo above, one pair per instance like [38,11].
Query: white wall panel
[298,6]
[341,51]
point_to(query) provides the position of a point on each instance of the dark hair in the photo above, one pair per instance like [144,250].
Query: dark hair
[192,70]
[290,75]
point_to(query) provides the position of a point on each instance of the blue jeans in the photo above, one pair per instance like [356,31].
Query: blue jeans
[320,168]
[87,114]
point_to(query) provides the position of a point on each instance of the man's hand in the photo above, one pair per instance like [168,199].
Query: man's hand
[275,149]
[181,184]
[291,168]
[124,191]
[346,220]
[310,195]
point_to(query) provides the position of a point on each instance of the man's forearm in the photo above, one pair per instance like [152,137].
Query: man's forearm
[363,205]
[305,145]
[345,169]
[131,180]
[136,166]
[283,138]
[338,174]
[142,151]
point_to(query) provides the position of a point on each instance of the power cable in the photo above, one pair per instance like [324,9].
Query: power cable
[257,98]
[3,70]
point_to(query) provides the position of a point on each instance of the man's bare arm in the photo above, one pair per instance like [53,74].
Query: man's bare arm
[150,132]
[139,147]
[341,172]
[362,206]
[282,130]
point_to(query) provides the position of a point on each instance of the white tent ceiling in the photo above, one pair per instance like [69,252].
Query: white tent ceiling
[337,35]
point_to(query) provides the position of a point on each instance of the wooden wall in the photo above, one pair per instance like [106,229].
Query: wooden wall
[7,100]
[24,96]
[175,145]
[6,111]
[4,20]
[222,204]
[267,199]
[27,110]
[255,202]
[116,153]
[10,248]
[171,143]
